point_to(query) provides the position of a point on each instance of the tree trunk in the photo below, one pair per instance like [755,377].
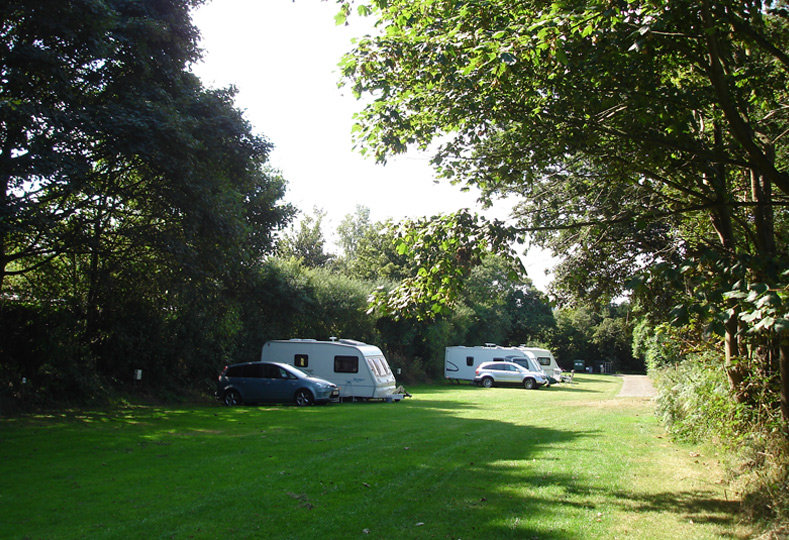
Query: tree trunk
[783,369]
[5,210]
[761,191]
[722,223]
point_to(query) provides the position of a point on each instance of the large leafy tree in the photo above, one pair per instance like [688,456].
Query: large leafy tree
[88,93]
[129,191]
[636,133]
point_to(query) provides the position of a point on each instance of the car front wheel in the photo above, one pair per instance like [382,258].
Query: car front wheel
[304,398]
[528,384]
[487,382]
[232,398]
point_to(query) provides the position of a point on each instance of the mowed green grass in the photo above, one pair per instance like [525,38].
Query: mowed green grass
[571,461]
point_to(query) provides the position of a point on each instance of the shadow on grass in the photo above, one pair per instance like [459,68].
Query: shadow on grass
[702,506]
[414,470]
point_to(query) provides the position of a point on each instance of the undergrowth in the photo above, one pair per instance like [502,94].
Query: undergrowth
[696,404]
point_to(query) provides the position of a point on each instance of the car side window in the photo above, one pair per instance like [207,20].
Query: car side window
[285,374]
[271,371]
[233,371]
[250,370]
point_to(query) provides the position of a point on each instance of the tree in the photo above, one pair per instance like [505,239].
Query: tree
[133,199]
[374,256]
[81,82]
[503,307]
[307,242]
[353,229]
[636,133]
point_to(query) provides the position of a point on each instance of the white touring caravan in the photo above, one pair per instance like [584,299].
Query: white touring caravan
[359,369]
[546,360]
[460,363]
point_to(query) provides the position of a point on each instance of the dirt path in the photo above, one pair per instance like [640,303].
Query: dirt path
[636,386]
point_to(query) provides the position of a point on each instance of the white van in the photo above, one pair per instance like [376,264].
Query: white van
[359,369]
[460,363]
[546,360]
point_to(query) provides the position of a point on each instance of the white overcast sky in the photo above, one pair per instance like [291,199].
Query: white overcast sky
[282,57]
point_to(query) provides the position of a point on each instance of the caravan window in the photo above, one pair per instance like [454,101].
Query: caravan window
[383,367]
[301,360]
[373,365]
[346,364]
[469,360]
[544,360]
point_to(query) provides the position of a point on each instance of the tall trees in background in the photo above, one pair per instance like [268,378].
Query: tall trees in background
[641,137]
[133,199]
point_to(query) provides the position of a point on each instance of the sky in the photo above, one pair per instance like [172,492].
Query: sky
[282,56]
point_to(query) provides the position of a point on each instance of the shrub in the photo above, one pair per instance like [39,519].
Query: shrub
[696,405]
[694,400]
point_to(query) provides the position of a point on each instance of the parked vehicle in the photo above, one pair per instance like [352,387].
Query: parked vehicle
[546,360]
[461,363]
[255,382]
[531,364]
[508,373]
[360,370]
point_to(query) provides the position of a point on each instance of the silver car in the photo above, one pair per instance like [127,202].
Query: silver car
[254,382]
[508,373]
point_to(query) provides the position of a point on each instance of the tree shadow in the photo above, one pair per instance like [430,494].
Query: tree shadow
[421,469]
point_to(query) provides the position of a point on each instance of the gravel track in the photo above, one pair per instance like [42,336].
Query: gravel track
[636,386]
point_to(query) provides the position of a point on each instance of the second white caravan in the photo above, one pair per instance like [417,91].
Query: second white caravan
[359,369]
[460,363]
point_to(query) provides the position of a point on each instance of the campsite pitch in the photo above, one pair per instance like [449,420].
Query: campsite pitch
[569,462]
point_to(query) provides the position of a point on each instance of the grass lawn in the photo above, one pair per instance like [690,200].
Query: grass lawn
[571,461]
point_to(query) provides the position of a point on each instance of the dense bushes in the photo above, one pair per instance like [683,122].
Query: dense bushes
[696,403]
[694,400]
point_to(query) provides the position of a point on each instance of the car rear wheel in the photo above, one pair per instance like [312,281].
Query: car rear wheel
[232,398]
[304,398]
[487,382]
[528,383]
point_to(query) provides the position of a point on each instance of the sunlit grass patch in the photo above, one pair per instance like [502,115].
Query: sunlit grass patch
[453,462]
